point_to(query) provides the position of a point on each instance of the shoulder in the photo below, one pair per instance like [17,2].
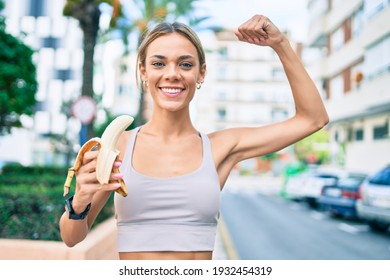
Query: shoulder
[226,137]
[223,142]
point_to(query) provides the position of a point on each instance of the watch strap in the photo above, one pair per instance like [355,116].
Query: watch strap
[72,214]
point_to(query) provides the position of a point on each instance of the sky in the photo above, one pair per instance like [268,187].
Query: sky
[291,14]
[283,13]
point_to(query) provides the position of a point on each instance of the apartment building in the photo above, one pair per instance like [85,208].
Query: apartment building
[354,70]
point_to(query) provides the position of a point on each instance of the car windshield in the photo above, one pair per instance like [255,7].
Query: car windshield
[382,177]
[350,182]
[326,176]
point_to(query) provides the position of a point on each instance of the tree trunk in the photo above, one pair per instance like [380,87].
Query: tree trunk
[89,24]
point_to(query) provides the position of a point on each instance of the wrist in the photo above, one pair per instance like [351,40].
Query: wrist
[282,46]
[76,213]
[78,205]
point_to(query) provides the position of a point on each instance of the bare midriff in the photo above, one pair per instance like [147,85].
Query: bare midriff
[165,255]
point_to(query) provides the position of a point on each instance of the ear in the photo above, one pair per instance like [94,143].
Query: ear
[202,72]
[142,72]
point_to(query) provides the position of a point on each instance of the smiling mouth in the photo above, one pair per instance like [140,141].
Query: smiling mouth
[171,92]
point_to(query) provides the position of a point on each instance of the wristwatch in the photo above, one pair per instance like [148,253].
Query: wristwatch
[72,214]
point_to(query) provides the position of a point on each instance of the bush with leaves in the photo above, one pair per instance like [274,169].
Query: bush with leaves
[31,202]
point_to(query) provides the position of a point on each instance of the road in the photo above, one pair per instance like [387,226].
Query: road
[263,226]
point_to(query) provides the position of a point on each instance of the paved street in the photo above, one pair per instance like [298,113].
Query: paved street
[263,226]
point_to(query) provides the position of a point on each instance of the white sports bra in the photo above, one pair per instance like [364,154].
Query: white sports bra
[168,214]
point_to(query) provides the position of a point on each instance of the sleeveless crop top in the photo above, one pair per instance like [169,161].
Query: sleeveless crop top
[168,214]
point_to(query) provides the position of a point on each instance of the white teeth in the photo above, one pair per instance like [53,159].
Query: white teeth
[172,90]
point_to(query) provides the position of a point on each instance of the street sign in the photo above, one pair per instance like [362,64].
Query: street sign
[84,109]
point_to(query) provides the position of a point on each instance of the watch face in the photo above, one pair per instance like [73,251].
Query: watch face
[84,109]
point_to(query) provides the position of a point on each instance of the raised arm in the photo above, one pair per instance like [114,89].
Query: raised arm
[310,115]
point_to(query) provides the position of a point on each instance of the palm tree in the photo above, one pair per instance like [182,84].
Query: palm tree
[87,12]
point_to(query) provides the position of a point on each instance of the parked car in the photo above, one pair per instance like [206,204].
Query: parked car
[374,203]
[308,186]
[340,198]
[294,187]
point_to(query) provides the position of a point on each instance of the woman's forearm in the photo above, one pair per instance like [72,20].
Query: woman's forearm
[72,231]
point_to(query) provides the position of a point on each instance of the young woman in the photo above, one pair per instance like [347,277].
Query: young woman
[174,174]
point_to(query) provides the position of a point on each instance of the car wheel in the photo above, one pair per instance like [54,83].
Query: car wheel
[378,226]
[336,215]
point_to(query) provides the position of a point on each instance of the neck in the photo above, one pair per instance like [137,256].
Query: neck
[170,123]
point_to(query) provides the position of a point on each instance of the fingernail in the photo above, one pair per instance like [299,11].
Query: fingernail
[117,163]
[118,175]
[117,185]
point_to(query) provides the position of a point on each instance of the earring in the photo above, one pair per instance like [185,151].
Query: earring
[198,85]
[145,84]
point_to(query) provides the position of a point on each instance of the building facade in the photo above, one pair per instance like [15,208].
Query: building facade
[245,86]
[353,37]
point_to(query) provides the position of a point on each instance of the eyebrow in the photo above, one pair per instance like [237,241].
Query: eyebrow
[182,57]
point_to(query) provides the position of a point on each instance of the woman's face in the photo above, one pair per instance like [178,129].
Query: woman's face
[172,70]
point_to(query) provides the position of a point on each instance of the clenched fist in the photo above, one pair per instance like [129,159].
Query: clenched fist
[259,30]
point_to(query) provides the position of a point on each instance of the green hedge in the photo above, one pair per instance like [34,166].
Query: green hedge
[31,202]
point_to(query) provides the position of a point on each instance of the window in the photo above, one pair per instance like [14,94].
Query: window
[337,40]
[359,134]
[64,74]
[36,8]
[357,23]
[382,177]
[336,87]
[221,114]
[381,132]
[223,52]
[121,89]
[50,42]
[377,58]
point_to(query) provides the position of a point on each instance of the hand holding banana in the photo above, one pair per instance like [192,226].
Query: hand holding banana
[106,156]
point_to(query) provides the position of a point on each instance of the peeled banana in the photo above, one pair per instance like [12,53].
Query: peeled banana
[106,156]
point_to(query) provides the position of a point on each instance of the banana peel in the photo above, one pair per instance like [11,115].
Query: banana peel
[107,154]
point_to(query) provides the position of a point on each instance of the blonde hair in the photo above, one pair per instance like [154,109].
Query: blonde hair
[167,28]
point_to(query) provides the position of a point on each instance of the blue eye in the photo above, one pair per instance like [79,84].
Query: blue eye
[158,64]
[186,65]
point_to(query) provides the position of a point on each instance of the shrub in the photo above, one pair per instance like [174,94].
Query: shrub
[31,202]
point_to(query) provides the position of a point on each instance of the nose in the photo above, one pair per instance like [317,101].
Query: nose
[172,73]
